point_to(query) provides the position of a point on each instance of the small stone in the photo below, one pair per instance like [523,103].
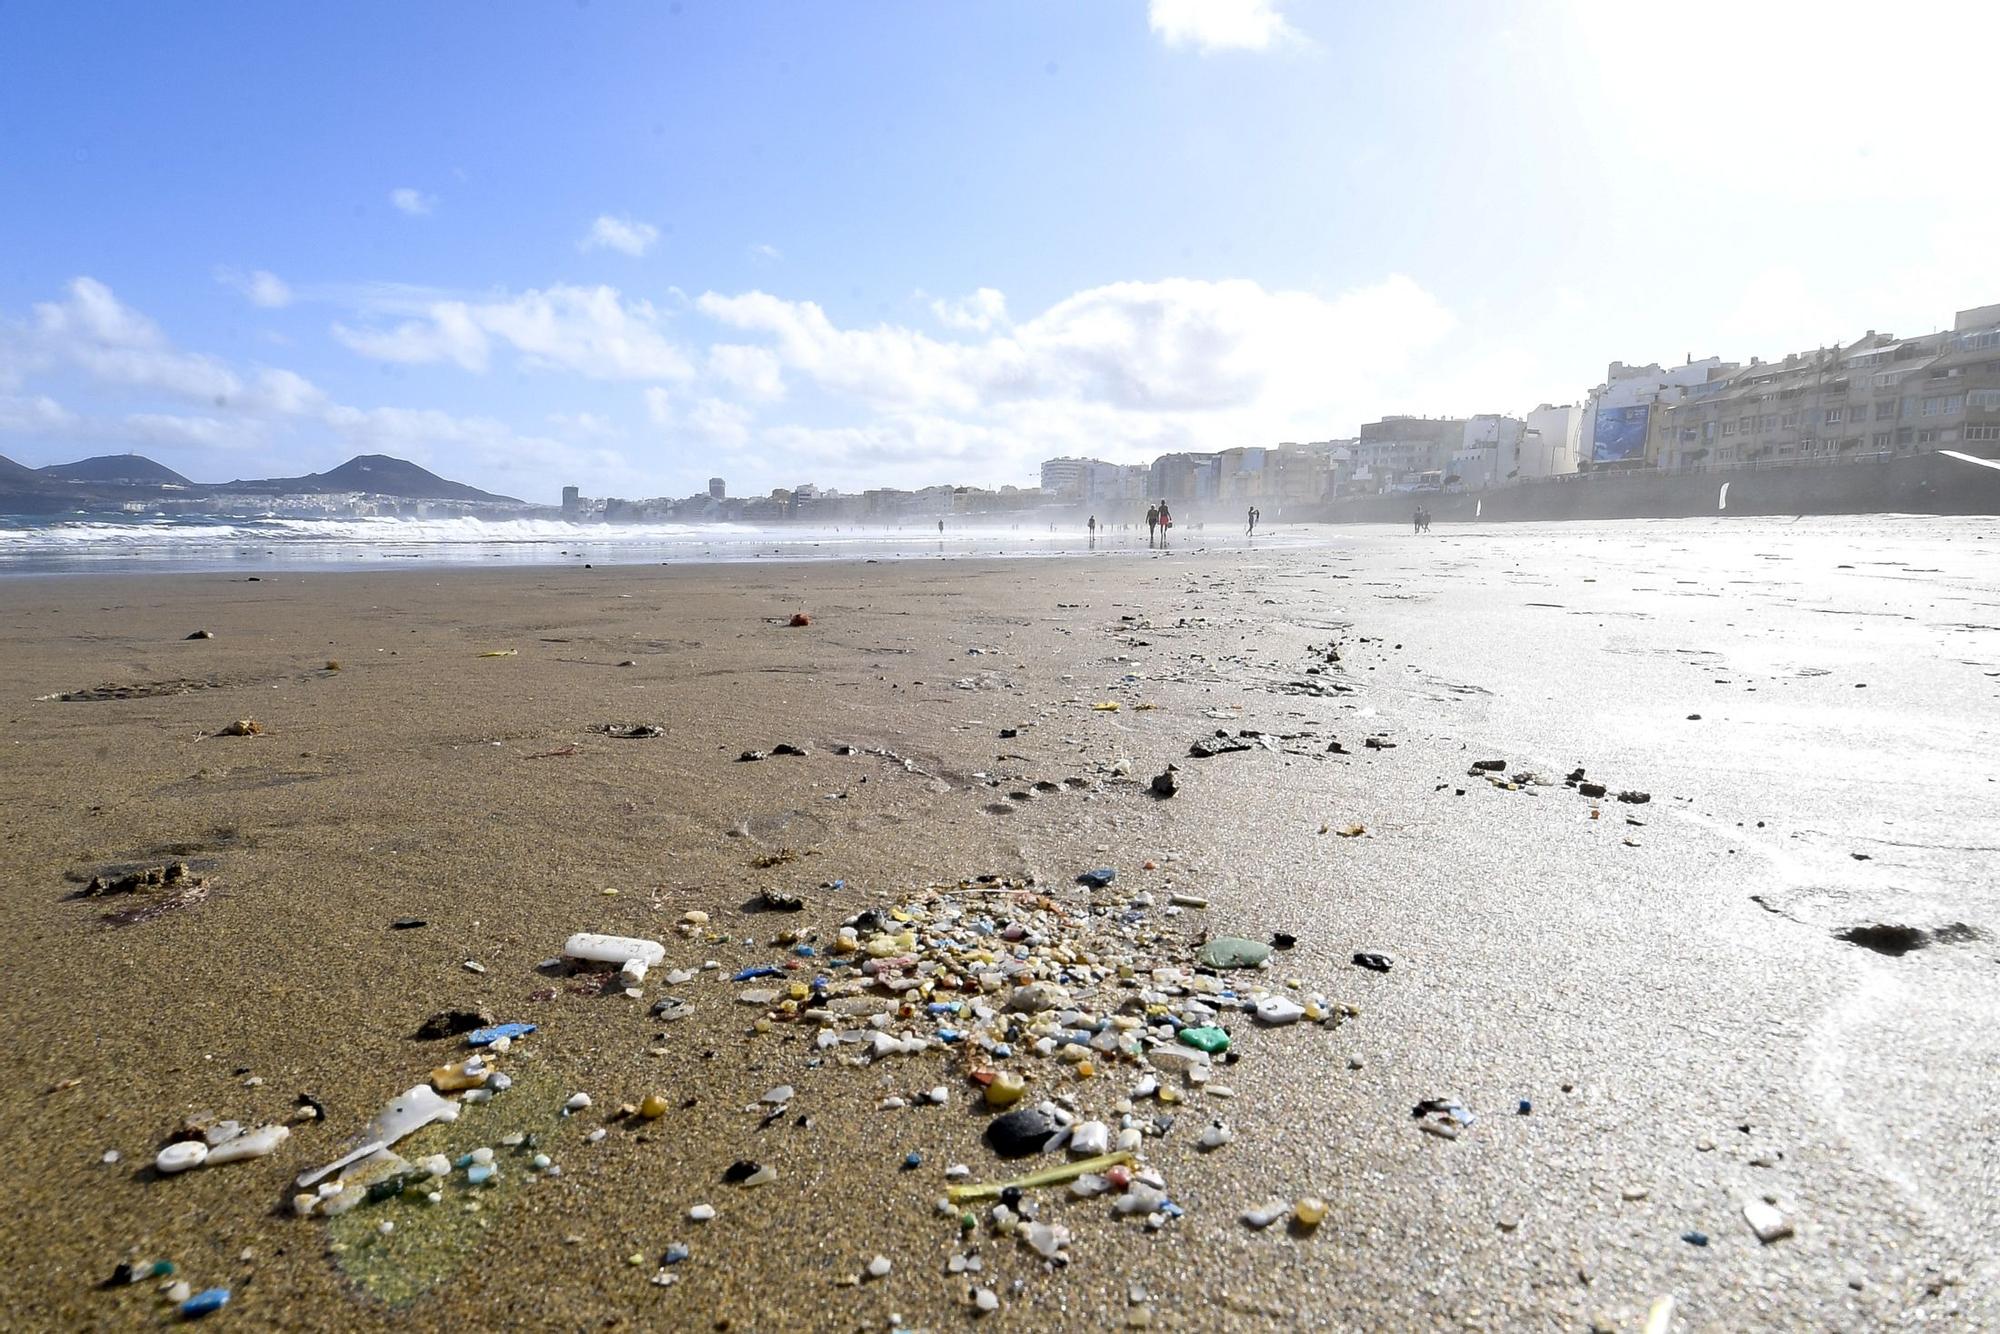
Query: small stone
[985,1299]
[701,1213]
[1020,1132]
[577,1102]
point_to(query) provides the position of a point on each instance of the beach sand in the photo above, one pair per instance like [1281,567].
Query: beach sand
[1683,1048]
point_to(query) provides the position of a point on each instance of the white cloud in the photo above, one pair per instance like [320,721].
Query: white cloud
[448,333]
[1176,345]
[40,415]
[590,331]
[704,421]
[766,254]
[108,340]
[413,202]
[1219,25]
[622,234]
[754,371]
[261,287]
[173,429]
[978,313]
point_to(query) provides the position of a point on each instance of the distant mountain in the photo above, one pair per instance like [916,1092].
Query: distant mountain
[122,480]
[377,474]
[130,469]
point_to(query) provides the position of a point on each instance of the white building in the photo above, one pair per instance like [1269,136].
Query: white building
[1489,451]
[1551,439]
[1066,478]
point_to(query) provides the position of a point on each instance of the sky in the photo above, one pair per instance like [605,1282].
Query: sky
[630,246]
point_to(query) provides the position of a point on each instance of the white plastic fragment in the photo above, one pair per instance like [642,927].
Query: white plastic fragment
[1277,1010]
[408,1112]
[879,1267]
[577,1102]
[1267,1213]
[254,1144]
[621,950]
[1089,1139]
[179,1157]
[1765,1221]
[368,1150]
[701,1213]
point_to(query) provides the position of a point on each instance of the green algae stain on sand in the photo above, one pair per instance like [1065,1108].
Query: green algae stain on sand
[431,1244]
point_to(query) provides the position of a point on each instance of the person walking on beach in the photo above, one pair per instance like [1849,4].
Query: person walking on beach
[940,527]
[1152,523]
[1254,516]
[1093,530]
[1417,520]
[1166,522]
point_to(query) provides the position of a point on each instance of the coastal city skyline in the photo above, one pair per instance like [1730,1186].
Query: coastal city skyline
[636,290]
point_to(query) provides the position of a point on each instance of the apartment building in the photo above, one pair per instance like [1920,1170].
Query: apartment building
[1397,451]
[1878,395]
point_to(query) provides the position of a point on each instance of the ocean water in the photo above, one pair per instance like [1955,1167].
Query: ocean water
[107,542]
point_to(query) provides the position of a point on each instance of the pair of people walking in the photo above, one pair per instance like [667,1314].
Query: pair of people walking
[1158,520]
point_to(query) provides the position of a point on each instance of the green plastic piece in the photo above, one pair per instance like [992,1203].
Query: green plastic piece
[1233,952]
[162,1268]
[1210,1040]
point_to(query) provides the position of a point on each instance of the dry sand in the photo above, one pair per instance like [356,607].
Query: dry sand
[1631,993]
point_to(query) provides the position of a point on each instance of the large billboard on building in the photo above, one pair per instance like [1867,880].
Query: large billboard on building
[1620,435]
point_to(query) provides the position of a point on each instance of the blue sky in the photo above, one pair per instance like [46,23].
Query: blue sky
[633,245]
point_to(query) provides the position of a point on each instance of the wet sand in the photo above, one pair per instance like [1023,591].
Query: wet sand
[1684,1046]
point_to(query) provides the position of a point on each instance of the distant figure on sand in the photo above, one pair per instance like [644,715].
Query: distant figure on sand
[1152,523]
[1254,516]
[1093,530]
[1166,522]
[1417,520]
[940,527]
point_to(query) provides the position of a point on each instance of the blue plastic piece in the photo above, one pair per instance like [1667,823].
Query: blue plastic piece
[1695,1238]
[1172,1210]
[1098,878]
[950,1035]
[479,1173]
[912,1161]
[805,951]
[1526,1107]
[485,1037]
[758,970]
[206,1302]
[676,1253]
